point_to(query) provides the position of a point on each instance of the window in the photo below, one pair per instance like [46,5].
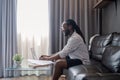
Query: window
[32,27]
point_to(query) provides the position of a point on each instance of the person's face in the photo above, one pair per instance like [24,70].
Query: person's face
[65,29]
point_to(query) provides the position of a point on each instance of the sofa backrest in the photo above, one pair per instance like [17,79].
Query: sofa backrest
[111,55]
[98,45]
[111,58]
[115,39]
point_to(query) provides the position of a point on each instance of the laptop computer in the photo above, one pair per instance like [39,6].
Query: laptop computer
[34,56]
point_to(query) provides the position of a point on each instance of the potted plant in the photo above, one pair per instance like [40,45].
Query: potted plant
[17,59]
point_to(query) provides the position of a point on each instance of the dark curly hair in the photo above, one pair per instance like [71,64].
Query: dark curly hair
[75,27]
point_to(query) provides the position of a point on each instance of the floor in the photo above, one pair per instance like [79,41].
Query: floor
[28,78]
[32,78]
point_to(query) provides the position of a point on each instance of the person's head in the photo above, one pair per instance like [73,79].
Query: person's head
[69,26]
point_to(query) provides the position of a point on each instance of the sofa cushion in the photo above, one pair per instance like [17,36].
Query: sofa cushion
[98,76]
[87,76]
[111,58]
[99,66]
[116,39]
[80,69]
[98,46]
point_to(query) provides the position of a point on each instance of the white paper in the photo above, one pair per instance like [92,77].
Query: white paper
[40,62]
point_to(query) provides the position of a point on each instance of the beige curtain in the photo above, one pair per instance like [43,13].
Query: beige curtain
[80,10]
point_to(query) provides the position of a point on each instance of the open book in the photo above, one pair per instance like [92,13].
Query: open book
[40,63]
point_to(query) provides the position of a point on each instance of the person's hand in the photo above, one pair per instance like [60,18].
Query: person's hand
[44,57]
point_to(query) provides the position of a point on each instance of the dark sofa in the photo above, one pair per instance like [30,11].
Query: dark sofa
[105,60]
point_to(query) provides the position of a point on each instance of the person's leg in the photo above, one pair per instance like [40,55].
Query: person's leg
[58,68]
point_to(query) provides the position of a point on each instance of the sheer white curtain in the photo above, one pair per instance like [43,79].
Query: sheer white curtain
[32,27]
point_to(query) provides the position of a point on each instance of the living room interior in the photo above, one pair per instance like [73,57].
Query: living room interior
[31,28]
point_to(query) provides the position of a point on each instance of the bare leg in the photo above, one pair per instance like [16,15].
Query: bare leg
[58,68]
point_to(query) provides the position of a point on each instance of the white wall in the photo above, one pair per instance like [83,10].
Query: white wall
[0,34]
[0,14]
[0,24]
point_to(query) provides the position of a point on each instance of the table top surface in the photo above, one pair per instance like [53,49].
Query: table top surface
[25,66]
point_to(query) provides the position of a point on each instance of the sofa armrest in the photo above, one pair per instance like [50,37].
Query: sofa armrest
[98,76]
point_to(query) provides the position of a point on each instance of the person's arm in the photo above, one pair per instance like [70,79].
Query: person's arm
[71,46]
[52,57]
[43,56]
